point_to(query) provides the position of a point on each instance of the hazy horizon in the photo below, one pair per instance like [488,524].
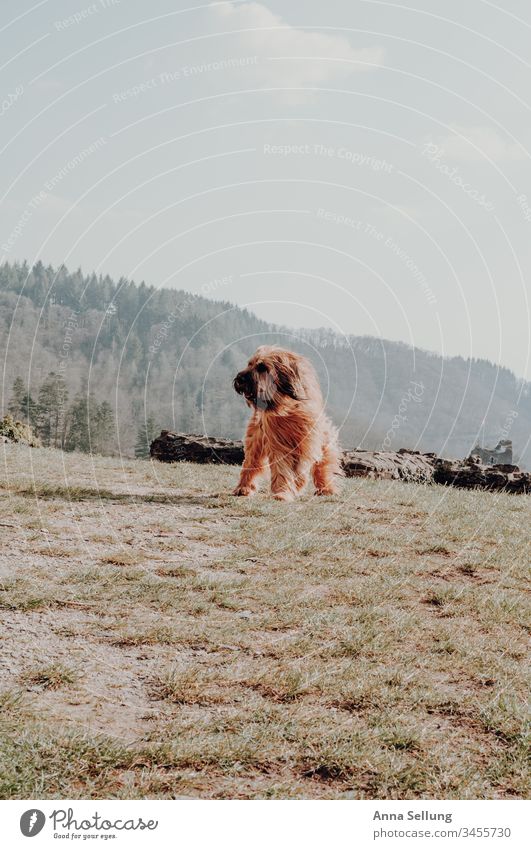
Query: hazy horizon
[222,302]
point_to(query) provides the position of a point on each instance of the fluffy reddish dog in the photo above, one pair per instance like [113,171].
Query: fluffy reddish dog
[288,432]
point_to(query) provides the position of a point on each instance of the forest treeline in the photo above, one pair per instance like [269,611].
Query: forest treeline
[101,365]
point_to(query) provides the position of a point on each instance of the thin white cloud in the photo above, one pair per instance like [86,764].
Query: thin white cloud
[288,56]
[477,143]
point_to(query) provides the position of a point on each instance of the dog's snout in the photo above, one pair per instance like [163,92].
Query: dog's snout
[241,381]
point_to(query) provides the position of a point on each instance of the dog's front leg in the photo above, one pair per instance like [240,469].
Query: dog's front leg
[255,459]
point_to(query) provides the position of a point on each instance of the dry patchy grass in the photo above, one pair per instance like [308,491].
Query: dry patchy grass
[161,638]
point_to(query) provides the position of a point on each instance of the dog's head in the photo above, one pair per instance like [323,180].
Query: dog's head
[272,375]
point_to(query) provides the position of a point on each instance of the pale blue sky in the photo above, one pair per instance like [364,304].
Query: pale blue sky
[358,164]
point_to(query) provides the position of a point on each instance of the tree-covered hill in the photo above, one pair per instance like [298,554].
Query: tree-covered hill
[101,365]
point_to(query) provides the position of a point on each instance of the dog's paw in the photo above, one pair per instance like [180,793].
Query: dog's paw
[245,491]
[331,490]
[283,496]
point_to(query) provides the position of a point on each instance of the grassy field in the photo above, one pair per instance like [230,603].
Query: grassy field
[160,638]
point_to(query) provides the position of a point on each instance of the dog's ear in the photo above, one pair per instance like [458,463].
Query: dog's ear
[288,377]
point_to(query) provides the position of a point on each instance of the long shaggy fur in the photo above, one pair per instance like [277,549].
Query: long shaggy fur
[288,433]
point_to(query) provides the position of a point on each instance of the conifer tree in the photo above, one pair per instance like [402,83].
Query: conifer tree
[51,411]
[78,432]
[101,428]
[16,404]
[145,436]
